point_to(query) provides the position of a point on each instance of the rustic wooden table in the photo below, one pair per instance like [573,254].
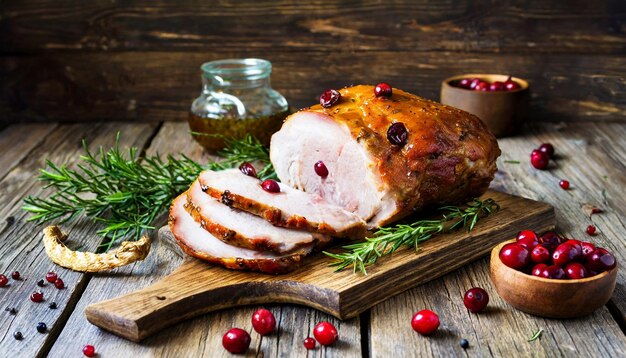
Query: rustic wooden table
[591,157]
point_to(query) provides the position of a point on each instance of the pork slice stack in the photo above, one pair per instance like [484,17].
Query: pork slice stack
[386,157]
[226,218]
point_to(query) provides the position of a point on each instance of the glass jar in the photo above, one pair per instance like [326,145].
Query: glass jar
[237,99]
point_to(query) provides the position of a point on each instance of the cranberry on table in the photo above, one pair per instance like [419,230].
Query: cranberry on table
[263,322]
[58,283]
[539,160]
[236,340]
[36,296]
[591,230]
[248,169]
[15,275]
[309,343]
[515,256]
[383,89]
[564,184]
[325,333]
[270,186]
[3,280]
[564,254]
[329,97]
[575,270]
[476,299]
[547,149]
[397,134]
[600,260]
[538,270]
[540,254]
[425,322]
[587,249]
[51,276]
[320,169]
[89,350]
[553,272]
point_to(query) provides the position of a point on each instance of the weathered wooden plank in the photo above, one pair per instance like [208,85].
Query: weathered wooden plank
[161,85]
[200,336]
[18,140]
[288,26]
[20,242]
[587,152]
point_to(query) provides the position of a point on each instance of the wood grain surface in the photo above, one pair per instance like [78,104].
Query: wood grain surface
[591,156]
[140,60]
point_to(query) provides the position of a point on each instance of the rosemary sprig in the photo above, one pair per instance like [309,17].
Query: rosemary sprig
[387,240]
[536,335]
[126,193]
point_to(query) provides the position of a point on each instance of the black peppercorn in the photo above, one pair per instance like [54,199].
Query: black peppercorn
[464,343]
[10,220]
[41,327]
[18,335]
[41,283]
[53,305]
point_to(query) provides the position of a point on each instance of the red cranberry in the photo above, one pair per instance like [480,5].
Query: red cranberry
[58,283]
[587,249]
[474,82]
[36,296]
[575,271]
[564,254]
[476,299]
[527,233]
[511,85]
[553,272]
[397,134]
[425,322]
[539,161]
[464,83]
[482,86]
[3,280]
[320,169]
[263,322]
[89,350]
[550,240]
[382,89]
[497,86]
[51,276]
[270,186]
[564,184]
[591,230]
[248,169]
[577,245]
[309,343]
[515,256]
[538,270]
[540,254]
[528,242]
[236,340]
[325,333]
[547,149]
[600,260]
[329,97]
[15,275]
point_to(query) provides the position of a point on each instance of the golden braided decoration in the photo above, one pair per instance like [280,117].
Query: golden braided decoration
[127,253]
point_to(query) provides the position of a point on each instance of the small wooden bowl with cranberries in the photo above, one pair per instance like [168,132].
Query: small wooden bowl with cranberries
[500,101]
[550,276]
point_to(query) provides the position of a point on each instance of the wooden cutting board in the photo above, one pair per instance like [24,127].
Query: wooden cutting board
[196,288]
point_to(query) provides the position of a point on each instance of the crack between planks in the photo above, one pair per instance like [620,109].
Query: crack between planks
[617,315]
[365,319]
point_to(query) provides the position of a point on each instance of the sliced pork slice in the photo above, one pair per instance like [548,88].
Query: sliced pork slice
[436,154]
[289,208]
[242,229]
[197,242]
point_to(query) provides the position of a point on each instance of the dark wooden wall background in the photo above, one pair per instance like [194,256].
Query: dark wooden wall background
[138,60]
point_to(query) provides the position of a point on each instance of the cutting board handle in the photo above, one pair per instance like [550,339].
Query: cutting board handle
[139,314]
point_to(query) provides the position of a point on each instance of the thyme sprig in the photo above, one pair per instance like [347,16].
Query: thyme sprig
[387,240]
[127,192]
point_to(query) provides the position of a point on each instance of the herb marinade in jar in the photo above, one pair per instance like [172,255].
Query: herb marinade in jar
[237,99]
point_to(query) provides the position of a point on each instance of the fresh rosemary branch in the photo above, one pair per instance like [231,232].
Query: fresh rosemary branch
[128,192]
[387,240]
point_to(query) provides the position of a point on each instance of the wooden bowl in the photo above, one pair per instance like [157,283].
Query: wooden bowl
[504,112]
[547,297]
